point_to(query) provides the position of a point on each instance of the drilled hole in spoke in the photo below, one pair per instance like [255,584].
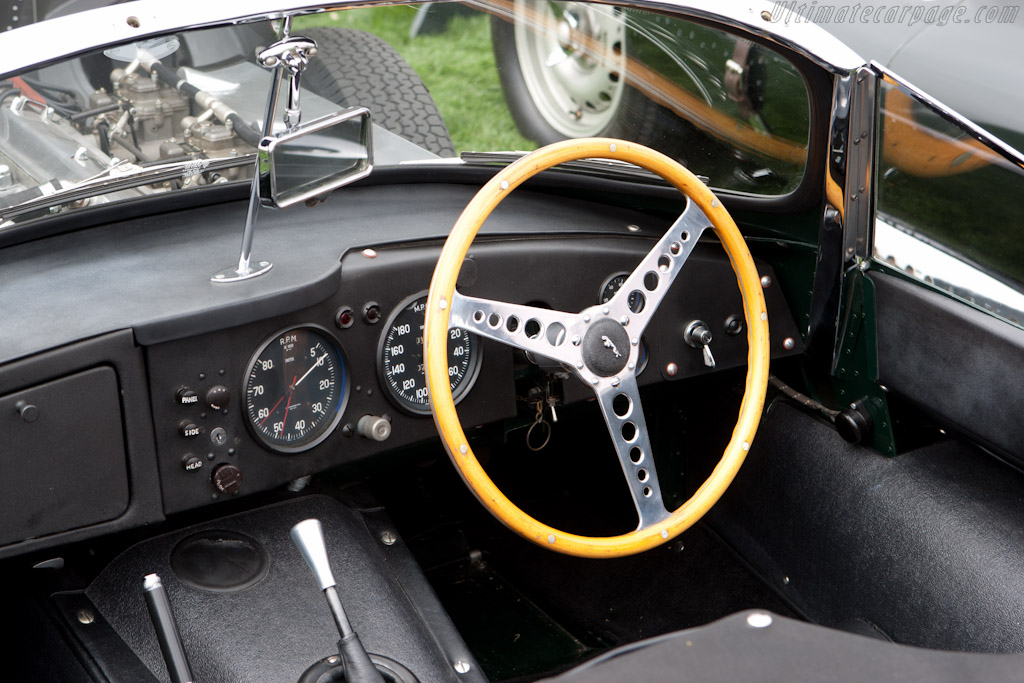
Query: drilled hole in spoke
[641,474]
[647,492]
[494,321]
[636,301]
[651,281]
[636,455]
[621,405]
[512,324]
[555,334]
[664,263]
[532,328]
[675,248]
[629,431]
[478,316]
[685,236]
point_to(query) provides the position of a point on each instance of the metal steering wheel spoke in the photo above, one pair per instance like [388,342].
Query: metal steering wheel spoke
[548,333]
[643,290]
[624,415]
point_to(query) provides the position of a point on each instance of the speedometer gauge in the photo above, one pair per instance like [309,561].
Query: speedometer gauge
[295,389]
[400,357]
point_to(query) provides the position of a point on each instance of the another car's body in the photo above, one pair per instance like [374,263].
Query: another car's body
[141,435]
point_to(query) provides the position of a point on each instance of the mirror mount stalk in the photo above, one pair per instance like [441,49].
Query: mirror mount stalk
[304,161]
[292,54]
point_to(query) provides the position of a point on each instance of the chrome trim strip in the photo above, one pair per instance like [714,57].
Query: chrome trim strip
[38,44]
[980,134]
[134,176]
[860,158]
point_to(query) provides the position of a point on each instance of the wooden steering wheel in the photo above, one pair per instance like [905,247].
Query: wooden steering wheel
[600,345]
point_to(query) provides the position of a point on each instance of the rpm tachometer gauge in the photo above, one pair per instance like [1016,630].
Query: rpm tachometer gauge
[400,358]
[295,389]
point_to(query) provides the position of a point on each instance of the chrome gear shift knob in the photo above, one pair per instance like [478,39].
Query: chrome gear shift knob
[308,535]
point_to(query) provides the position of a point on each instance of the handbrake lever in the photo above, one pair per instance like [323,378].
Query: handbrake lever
[308,535]
[166,627]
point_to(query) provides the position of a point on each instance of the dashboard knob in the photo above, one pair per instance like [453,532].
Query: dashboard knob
[191,463]
[28,412]
[189,430]
[187,397]
[374,427]
[218,397]
[227,478]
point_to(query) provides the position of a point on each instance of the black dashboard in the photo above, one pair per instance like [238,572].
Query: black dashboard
[126,389]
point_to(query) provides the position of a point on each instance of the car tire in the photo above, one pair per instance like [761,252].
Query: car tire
[355,68]
[575,97]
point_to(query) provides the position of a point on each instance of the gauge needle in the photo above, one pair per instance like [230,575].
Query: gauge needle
[288,405]
[287,393]
[318,363]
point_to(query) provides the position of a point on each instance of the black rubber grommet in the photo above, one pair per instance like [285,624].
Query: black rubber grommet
[220,561]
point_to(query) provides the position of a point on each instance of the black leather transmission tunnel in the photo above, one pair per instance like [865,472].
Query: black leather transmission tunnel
[352,664]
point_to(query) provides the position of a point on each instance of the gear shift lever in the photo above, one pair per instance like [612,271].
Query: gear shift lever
[308,535]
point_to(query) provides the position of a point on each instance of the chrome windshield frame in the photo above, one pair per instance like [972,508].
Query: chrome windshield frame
[71,35]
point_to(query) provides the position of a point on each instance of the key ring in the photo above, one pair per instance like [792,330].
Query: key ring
[539,420]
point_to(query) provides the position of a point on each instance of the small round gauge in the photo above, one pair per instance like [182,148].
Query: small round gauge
[613,284]
[295,389]
[400,357]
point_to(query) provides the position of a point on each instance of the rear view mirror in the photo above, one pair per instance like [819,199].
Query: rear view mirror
[316,157]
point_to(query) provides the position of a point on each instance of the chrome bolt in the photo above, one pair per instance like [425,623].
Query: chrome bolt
[766,281]
[299,483]
[84,616]
[634,341]
[586,318]
[789,343]
[759,620]
[388,537]
[605,310]
[633,228]
[615,381]
[369,253]
[671,369]
[579,365]
[624,320]
[785,580]
[576,340]
[462,666]
[594,381]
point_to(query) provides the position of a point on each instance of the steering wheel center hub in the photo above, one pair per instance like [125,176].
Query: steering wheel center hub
[605,348]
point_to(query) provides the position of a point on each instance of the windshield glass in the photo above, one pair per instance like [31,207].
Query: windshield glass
[441,81]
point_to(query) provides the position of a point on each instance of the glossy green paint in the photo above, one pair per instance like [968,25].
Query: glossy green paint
[855,368]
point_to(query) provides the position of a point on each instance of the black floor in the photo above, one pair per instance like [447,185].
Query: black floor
[527,612]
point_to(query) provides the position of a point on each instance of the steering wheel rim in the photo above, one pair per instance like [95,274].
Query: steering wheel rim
[443,299]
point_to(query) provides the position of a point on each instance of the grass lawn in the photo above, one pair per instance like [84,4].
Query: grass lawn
[457,66]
